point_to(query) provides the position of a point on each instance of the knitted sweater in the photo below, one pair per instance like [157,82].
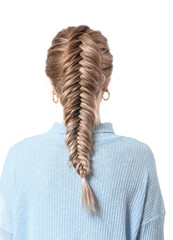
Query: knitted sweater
[40,194]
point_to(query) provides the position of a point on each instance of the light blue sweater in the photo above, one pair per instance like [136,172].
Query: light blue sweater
[40,195]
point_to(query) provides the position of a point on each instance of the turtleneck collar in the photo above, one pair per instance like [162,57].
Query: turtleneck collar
[106,127]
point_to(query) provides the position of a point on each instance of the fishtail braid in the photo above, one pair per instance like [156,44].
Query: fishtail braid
[79,64]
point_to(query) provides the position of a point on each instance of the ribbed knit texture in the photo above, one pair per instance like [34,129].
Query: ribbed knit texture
[40,195]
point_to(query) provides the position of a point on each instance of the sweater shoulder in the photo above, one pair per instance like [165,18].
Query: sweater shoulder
[133,150]
[27,142]
[128,143]
[134,142]
[140,153]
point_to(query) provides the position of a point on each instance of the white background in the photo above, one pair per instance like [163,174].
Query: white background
[140,36]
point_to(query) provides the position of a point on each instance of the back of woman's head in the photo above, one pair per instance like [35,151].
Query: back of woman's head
[79,64]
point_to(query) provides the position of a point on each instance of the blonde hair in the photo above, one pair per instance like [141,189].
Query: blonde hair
[79,64]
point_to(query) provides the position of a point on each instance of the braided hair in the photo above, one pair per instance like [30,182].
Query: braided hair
[79,64]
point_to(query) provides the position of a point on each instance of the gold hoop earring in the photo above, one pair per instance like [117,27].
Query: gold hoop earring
[108,94]
[54,94]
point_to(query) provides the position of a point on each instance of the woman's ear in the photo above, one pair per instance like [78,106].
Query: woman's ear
[52,85]
[51,82]
[109,79]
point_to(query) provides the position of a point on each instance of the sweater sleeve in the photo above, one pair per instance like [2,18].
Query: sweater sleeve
[7,197]
[153,229]
[152,221]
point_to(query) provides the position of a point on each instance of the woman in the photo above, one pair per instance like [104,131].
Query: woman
[115,176]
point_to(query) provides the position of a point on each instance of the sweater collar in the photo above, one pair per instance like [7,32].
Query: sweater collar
[106,127]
